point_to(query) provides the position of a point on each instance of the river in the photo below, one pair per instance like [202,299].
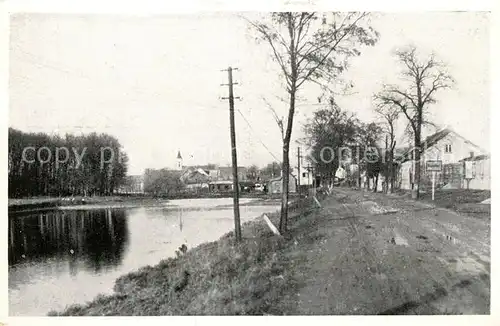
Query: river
[68,256]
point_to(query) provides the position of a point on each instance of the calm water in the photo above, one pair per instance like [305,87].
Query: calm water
[63,257]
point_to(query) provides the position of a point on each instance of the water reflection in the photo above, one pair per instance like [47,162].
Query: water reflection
[98,238]
[64,257]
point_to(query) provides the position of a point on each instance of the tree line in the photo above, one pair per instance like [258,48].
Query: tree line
[50,165]
[164,181]
[315,48]
[309,47]
[337,137]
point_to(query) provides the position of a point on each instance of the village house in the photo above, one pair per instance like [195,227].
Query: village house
[215,180]
[224,186]
[306,177]
[477,172]
[220,186]
[452,150]
[275,185]
[195,178]
[227,185]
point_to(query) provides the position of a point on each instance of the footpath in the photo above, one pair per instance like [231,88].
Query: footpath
[383,254]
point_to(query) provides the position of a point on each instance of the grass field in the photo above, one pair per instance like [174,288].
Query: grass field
[460,200]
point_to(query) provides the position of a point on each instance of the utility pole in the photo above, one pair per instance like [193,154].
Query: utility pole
[298,170]
[386,167]
[313,180]
[310,181]
[236,187]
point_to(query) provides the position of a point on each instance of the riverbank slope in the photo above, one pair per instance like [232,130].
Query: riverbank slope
[360,253]
[255,277]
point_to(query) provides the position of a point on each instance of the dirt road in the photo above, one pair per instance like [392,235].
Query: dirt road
[387,255]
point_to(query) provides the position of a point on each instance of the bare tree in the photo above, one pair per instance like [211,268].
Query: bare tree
[423,78]
[277,119]
[389,115]
[309,49]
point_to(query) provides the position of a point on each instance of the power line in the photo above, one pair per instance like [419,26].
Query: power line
[41,62]
[231,83]
[258,138]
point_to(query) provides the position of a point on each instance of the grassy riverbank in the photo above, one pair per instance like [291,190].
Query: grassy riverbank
[360,253]
[253,278]
[462,201]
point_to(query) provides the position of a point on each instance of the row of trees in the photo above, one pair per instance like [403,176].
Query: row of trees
[309,48]
[45,165]
[334,128]
[315,48]
[421,77]
[335,136]
[163,181]
[271,170]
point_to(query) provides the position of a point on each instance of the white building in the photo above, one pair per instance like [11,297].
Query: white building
[306,177]
[477,172]
[448,147]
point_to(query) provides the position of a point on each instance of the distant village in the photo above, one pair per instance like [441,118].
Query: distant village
[465,165]
[210,178]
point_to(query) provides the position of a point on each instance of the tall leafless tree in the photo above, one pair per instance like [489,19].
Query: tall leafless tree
[390,116]
[422,79]
[310,48]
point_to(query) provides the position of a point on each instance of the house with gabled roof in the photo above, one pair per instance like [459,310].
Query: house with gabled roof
[446,146]
[195,178]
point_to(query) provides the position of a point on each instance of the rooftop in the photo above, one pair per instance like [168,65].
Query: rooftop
[431,141]
[475,158]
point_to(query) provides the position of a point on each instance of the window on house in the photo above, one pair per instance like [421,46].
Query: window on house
[447,148]
[471,154]
[304,174]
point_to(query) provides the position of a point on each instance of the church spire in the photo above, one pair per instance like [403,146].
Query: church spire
[179,160]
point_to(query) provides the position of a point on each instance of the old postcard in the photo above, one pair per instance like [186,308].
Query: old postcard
[318,162]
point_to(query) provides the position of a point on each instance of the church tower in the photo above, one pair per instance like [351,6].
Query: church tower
[178,165]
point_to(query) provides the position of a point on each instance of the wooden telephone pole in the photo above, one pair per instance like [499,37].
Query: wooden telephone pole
[386,167]
[298,171]
[236,187]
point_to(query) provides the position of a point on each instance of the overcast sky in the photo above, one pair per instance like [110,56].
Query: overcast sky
[154,82]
